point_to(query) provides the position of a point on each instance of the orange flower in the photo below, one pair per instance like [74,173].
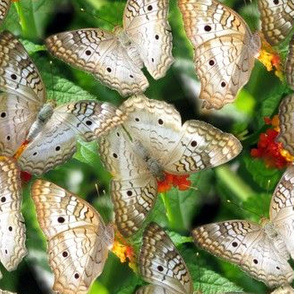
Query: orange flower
[270,59]
[124,251]
[180,182]
[268,149]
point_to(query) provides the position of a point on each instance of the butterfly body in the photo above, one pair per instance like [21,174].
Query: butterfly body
[153,141]
[263,250]
[224,49]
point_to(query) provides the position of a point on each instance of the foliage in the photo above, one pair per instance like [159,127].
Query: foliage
[244,181]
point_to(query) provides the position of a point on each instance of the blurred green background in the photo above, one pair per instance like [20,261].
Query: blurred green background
[245,181]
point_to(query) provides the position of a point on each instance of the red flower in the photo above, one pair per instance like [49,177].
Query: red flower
[180,182]
[25,177]
[268,149]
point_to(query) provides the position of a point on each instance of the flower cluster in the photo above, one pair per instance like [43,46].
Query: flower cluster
[180,182]
[270,59]
[124,251]
[269,150]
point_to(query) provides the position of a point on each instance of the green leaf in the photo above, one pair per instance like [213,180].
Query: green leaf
[266,178]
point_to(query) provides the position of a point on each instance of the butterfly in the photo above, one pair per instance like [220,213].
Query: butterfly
[78,240]
[286,113]
[12,227]
[260,250]
[277,19]
[116,58]
[152,141]
[50,135]
[224,49]
[161,264]
[289,65]
[4,7]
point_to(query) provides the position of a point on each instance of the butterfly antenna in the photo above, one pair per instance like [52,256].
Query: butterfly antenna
[93,15]
[97,190]
[244,209]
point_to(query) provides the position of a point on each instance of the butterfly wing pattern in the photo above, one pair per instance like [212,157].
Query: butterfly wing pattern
[224,51]
[153,140]
[277,19]
[23,93]
[162,265]
[12,227]
[4,7]
[51,135]
[116,58]
[261,251]
[78,240]
[286,116]
[289,65]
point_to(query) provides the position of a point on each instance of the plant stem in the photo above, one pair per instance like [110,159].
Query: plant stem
[27,21]
[234,182]
[175,220]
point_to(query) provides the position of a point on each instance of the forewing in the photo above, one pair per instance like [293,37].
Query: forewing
[18,74]
[133,188]
[12,228]
[225,49]
[100,53]
[155,124]
[56,143]
[161,264]
[277,18]
[77,239]
[201,146]
[246,245]
[281,209]
[146,23]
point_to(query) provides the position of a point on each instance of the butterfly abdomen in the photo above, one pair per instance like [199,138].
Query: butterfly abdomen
[43,116]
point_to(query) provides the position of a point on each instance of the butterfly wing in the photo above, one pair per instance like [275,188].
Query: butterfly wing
[146,24]
[277,18]
[152,289]
[281,209]
[286,119]
[245,244]
[289,65]
[224,50]
[4,7]
[56,143]
[100,53]
[25,93]
[201,146]
[78,240]
[156,124]
[161,264]
[133,188]
[178,149]
[12,228]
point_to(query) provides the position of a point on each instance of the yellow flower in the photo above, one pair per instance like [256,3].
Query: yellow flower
[124,251]
[270,59]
